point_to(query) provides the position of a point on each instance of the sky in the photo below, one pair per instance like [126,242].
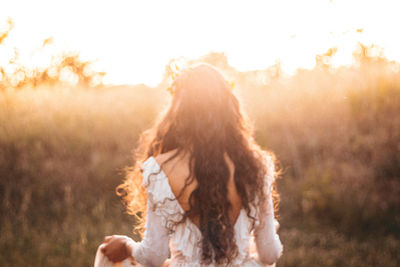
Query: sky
[134,40]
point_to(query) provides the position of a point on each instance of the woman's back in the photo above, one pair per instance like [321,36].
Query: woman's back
[177,171]
[185,238]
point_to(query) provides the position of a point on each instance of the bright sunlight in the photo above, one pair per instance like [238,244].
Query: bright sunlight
[133,40]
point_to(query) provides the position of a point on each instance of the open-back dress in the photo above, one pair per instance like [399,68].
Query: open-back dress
[182,243]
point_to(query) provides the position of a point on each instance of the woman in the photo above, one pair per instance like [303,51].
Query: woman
[205,183]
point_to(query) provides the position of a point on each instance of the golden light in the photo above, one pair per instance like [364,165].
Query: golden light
[133,40]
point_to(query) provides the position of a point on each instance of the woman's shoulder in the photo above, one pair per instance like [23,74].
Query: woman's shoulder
[161,158]
[155,181]
[165,171]
[177,173]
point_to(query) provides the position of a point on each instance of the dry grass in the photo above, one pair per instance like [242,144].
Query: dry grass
[336,134]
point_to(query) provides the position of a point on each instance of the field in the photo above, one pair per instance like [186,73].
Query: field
[336,134]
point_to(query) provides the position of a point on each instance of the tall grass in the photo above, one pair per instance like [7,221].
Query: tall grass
[335,132]
[62,153]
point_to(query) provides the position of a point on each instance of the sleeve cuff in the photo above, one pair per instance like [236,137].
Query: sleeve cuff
[132,245]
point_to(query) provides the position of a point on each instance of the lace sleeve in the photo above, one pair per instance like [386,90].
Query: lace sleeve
[153,249]
[268,244]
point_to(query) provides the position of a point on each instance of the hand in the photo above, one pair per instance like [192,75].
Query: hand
[166,263]
[116,248]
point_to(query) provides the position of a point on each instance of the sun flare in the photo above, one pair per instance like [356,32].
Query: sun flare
[132,41]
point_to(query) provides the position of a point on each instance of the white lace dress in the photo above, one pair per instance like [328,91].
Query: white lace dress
[183,242]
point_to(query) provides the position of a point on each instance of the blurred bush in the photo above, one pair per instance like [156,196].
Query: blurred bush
[62,155]
[66,68]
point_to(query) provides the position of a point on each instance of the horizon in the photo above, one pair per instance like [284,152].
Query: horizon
[178,30]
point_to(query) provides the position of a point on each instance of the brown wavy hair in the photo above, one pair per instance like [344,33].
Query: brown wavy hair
[206,119]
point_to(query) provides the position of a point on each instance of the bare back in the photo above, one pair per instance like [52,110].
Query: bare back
[177,170]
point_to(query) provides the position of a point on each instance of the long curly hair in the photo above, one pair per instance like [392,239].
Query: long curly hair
[206,119]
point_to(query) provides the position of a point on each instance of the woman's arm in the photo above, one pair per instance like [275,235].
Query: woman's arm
[268,244]
[153,249]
